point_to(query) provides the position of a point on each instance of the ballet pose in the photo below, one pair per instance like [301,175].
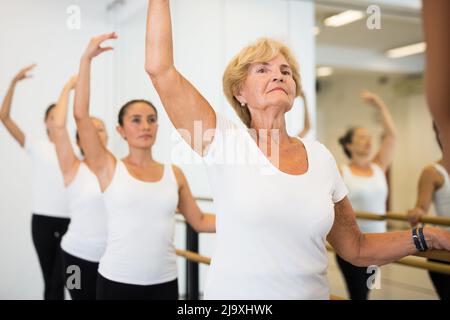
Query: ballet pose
[49,203]
[85,241]
[141,196]
[275,214]
[365,177]
[434,187]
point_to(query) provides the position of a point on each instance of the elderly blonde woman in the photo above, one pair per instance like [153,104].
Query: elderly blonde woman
[272,225]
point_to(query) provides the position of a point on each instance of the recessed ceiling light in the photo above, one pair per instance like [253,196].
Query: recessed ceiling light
[343,18]
[324,71]
[406,50]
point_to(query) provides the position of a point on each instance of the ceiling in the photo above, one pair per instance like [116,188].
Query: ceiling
[399,26]
[393,33]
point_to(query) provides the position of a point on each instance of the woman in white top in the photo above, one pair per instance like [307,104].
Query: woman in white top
[365,178]
[141,197]
[85,240]
[276,203]
[434,187]
[49,203]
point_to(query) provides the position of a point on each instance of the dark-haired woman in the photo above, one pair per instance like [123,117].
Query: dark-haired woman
[49,203]
[85,240]
[434,188]
[365,177]
[141,197]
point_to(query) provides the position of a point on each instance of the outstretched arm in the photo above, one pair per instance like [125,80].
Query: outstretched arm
[5,111]
[99,159]
[378,248]
[385,154]
[68,161]
[185,106]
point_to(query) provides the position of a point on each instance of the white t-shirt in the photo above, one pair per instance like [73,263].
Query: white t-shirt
[49,195]
[368,194]
[441,197]
[140,248]
[271,226]
[87,232]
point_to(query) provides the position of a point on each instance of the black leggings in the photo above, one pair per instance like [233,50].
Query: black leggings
[111,290]
[87,277]
[47,233]
[441,282]
[355,279]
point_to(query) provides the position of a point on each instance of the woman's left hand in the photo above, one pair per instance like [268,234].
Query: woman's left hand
[440,238]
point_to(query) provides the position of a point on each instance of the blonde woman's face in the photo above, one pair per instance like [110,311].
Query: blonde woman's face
[269,84]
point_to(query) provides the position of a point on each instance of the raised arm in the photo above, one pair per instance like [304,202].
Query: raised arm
[385,154]
[436,22]
[428,184]
[199,221]
[5,111]
[306,120]
[68,161]
[379,248]
[182,102]
[99,159]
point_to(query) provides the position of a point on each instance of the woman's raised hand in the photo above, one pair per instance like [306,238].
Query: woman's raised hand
[24,73]
[94,47]
[371,98]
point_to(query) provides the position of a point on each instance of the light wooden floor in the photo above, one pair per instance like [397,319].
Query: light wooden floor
[398,282]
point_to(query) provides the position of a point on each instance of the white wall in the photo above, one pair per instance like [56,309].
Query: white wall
[36,32]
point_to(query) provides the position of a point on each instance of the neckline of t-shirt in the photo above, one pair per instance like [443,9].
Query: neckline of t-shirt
[143,181]
[275,168]
[373,175]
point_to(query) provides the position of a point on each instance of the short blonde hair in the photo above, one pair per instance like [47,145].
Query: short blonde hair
[263,50]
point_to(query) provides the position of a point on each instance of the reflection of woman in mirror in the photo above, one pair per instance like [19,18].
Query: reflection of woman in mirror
[49,205]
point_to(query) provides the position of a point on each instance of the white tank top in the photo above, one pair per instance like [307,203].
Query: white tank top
[441,197]
[368,194]
[271,226]
[141,225]
[86,236]
[49,195]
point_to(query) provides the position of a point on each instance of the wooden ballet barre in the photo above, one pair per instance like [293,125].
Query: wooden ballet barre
[440,255]
[401,216]
[416,262]
[427,265]
[193,256]
[333,297]
[390,215]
